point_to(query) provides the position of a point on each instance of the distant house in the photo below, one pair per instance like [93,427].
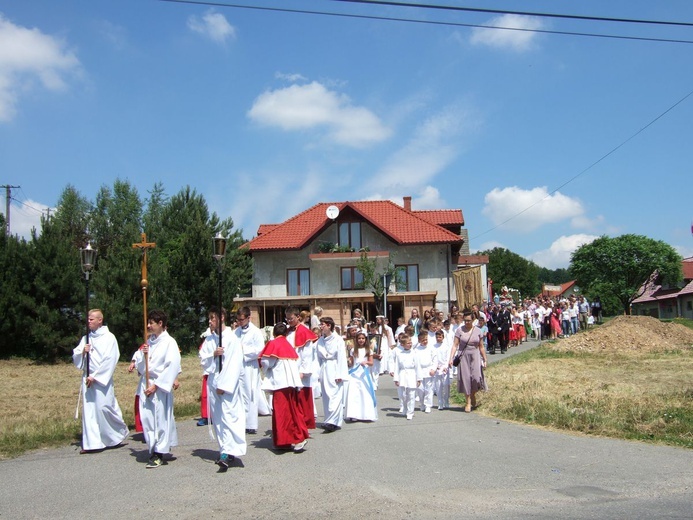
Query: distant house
[666,302]
[562,291]
[310,259]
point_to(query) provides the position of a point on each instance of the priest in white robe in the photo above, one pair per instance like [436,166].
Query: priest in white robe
[102,420]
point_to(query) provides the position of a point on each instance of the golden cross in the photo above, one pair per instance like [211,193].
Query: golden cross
[144,245]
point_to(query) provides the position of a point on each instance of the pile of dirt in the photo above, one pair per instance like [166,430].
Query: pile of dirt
[629,334]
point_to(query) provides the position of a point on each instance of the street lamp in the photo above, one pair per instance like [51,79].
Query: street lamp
[387,280]
[219,243]
[88,258]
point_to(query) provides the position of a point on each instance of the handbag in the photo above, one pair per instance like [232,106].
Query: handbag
[458,356]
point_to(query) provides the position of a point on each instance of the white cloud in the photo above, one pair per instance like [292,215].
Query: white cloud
[279,200]
[27,55]
[526,210]
[684,251]
[115,35]
[300,107]
[26,215]
[428,152]
[487,246]
[212,25]
[429,198]
[291,78]
[521,40]
[558,254]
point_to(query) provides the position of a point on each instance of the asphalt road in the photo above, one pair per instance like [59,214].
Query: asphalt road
[447,464]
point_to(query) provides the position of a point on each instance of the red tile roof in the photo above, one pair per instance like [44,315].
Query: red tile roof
[564,288]
[442,217]
[399,225]
[688,268]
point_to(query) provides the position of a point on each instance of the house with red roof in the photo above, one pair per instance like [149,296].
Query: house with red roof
[311,259]
[564,290]
[667,302]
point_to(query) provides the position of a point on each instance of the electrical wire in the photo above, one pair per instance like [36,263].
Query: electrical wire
[595,163]
[519,13]
[428,22]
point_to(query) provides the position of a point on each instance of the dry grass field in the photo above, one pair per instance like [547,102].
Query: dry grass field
[630,378]
[38,402]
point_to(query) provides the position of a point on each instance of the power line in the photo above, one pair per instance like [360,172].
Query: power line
[427,22]
[29,206]
[519,13]
[595,163]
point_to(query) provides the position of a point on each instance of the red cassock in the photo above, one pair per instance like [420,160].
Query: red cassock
[288,425]
[305,395]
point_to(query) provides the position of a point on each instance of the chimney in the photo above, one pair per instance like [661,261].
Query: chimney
[407,203]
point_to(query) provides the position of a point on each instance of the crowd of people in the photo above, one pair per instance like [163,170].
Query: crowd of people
[246,375]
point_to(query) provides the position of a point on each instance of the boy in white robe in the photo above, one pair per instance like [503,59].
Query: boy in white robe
[156,393]
[334,371]
[441,361]
[228,408]
[407,375]
[252,341]
[424,353]
[102,420]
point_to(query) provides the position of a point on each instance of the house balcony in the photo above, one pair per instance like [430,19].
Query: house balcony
[321,257]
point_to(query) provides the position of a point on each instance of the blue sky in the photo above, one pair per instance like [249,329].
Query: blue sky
[267,113]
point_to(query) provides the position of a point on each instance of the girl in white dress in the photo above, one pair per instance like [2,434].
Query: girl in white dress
[361,404]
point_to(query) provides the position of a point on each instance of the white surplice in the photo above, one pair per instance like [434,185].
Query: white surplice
[156,411]
[252,341]
[102,420]
[228,409]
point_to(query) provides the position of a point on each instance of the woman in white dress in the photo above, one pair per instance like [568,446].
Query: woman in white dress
[361,404]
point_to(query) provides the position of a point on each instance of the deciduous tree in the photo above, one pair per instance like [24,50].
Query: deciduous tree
[618,267]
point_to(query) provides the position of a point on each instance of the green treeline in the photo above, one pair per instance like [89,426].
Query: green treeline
[43,295]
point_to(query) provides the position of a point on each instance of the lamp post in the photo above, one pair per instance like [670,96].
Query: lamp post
[219,254]
[88,258]
[387,280]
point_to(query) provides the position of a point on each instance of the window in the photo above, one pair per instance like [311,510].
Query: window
[350,235]
[407,277]
[352,279]
[297,282]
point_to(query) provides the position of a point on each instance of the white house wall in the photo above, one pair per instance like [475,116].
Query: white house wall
[269,273]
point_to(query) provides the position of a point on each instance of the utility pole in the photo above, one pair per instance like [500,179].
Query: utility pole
[8,197]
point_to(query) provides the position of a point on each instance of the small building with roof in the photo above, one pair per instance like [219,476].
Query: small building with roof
[666,302]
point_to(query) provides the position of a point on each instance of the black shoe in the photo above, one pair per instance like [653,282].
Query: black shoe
[250,431]
[504,350]
[493,351]
[224,461]
[155,461]
[202,422]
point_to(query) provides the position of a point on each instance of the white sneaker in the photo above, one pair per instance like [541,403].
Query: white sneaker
[301,445]
[427,410]
[410,417]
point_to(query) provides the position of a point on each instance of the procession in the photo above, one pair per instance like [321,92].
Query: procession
[246,376]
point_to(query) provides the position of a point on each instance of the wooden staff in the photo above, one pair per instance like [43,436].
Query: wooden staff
[144,245]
